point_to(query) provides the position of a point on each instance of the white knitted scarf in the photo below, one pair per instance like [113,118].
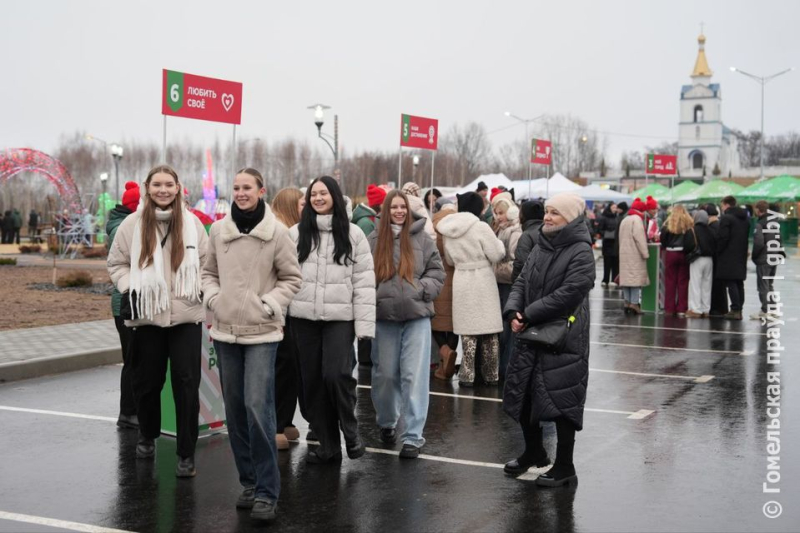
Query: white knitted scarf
[152,293]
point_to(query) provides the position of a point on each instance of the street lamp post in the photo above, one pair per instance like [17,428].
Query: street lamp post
[527,142]
[319,120]
[103,180]
[763,80]
[116,153]
[415,160]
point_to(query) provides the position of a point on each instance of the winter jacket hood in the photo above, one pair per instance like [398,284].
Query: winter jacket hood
[364,218]
[249,280]
[457,225]
[397,299]
[531,233]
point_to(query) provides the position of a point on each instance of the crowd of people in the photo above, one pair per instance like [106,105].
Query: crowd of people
[302,289]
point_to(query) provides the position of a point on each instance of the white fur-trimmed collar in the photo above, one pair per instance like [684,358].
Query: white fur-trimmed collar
[264,230]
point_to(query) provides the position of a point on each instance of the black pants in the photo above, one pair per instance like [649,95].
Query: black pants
[127,400]
[736,292]
[506,336]
[151,348]
[288,381]
[610,266]
[326,364]
[764,285]
[365,352]
[14,237]
[448,338]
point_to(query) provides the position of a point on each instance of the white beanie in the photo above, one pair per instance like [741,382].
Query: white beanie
[569,205]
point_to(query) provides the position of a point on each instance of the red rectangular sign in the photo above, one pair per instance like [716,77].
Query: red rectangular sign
[662,164]
[190,96]
[419,132]
[541,151]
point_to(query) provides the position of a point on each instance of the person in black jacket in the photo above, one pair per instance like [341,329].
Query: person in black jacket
[542,386]
[701,270]
[766,266]
[719,296]
[607,228]
[732,253]
[531,214]
[622,211]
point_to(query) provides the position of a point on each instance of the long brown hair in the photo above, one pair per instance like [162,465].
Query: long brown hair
[284,205]
[384,250]
[149,234]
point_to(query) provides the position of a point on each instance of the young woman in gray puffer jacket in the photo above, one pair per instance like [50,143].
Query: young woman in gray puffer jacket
[335,304]
[409,274]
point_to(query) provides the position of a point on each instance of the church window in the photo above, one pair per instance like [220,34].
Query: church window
[697,160]
[698,113]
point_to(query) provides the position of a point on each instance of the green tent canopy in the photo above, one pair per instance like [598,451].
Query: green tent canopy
[681,189]
[778,189]
[713,191]
[658,192]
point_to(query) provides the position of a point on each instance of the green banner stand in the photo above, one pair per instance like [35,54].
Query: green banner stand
[652,294]
[212,407]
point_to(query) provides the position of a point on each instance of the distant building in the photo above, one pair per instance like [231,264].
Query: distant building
[704,141]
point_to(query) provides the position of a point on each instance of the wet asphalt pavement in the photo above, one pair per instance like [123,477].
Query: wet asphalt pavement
[674,440]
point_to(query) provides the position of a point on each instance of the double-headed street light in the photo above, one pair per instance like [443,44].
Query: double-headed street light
[319,120]
[116,152]
[103,180]
[525,121]
[763,80]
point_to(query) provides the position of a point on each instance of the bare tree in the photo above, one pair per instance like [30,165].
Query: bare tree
[471,148]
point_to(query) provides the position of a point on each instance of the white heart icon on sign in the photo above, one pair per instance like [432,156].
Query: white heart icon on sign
[227,101]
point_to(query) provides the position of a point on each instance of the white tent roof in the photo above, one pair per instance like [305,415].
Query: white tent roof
[558,183]
[521,187]
[596,193]
[491,181]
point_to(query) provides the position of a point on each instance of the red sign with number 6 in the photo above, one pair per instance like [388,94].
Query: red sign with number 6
[190,96]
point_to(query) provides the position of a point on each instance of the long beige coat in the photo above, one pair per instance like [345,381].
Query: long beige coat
[249,280]
[509,236]
[633,253]
[472,248]
[443,304]
[181,310]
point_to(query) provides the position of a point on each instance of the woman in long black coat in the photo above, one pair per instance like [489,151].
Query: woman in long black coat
[542,386]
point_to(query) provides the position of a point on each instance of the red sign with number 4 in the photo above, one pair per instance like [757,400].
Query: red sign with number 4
[190,96]
[541,151]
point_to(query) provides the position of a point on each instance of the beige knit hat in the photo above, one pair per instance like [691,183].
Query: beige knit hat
[569,205]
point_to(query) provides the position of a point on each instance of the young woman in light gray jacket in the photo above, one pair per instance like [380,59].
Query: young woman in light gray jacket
[250,276]
[409,274]
[335,304]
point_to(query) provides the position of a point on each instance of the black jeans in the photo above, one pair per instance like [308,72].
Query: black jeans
[764,285]
[736,292]
[326,364]
[127,400]
[446,338]
[288,381]
[151,348]
[506,336]
[610,266]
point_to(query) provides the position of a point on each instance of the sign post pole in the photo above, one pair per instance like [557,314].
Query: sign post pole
[400,167]
[234,153]
[164,142]
[433,162]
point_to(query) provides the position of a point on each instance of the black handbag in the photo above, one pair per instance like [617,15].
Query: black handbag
[550,336]
[127,306]
[696,252]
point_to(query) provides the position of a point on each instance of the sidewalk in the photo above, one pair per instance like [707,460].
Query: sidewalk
[33,352]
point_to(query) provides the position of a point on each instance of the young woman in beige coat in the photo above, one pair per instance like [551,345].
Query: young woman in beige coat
[508,229]
[249,279]
[155,264]
[633,256]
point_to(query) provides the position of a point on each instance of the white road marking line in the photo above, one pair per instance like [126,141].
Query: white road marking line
[57,413]
[697,350]
[52,522]
[636,326]
[500,400]
[696,379]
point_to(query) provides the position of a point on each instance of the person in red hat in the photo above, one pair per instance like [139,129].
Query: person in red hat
[633,255]
[651,208]
[364,215]
[127,405]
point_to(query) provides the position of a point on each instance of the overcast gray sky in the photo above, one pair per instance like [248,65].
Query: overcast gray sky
[96,65]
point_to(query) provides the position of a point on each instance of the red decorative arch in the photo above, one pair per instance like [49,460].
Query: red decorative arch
[16,160]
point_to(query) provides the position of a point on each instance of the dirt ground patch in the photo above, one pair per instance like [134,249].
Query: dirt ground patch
[23,307]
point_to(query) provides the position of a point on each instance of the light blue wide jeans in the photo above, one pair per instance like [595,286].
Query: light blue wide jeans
[401,367]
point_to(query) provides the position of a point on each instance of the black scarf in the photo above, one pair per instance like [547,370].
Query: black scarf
[247,220]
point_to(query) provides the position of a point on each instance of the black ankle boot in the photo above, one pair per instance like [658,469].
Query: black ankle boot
[520,465]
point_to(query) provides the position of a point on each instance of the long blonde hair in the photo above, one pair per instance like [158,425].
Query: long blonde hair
[149,222]
[384,249]
[284,205]
[679,221]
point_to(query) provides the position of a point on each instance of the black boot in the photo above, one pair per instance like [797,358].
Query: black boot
[563,472]
[534,454]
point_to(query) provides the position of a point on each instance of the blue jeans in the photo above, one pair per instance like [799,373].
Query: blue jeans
[401,366]
[632,294]
[247,372]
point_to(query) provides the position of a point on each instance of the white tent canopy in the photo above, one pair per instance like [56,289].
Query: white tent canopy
[521,187]
[558,183]
[491,181]
[596,193]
